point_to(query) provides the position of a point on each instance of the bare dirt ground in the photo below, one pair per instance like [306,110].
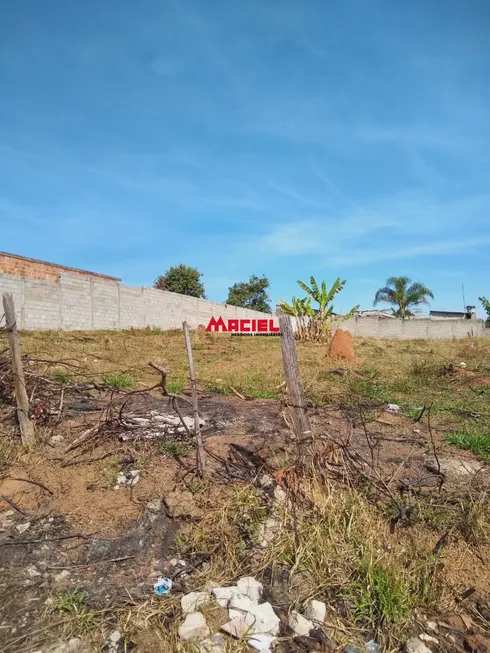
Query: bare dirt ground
[73,529]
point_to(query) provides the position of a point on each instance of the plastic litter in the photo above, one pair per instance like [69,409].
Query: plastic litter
[162,586]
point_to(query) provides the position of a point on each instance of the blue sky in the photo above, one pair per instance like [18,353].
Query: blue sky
[271,137]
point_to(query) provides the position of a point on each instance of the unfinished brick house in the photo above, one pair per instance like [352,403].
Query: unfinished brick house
[30,268]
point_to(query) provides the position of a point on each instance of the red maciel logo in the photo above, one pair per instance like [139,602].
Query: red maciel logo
[242,326]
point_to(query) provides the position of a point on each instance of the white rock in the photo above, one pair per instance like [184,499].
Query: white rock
[194,628]
[216,644]
[279,495]
[416,645]
[172,420]
[432,625]
[458,467]
[73,645]
[240,604]
[265,481]
[192,601]
[299,624]
[251,588]
[32,572]
[56,439]
[240,626]
[393,408]
[316,611]
[22,528]
[262,643]
[115,637]
[463,365]
[267,531]
[223,595]
[428,638]
[266,620]
[63,575]
[5,518]
[155,505]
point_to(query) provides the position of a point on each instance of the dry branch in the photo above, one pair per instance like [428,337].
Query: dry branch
[25,424]
[201,462]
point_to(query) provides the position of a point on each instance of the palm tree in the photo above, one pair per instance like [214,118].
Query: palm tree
[401,292]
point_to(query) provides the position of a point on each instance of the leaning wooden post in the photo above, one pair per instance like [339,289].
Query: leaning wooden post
[201,461]
[296,402]
[25,424]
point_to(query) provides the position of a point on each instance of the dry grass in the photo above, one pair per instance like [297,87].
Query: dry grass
[398,369]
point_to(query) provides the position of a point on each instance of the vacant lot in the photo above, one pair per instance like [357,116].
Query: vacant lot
[389,526]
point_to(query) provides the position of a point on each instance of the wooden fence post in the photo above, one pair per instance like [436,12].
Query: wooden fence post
[296,402]
[25,424]
[201,461]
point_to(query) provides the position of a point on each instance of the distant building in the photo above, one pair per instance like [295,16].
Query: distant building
[469,314]
[373,313]
[30,268]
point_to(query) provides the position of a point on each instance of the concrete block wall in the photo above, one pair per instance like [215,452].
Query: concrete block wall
[414,329]
[105,305]
[75,302]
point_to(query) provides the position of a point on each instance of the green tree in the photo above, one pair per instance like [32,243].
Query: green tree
[403,294]
[486,307]
[181,279]
[250,294]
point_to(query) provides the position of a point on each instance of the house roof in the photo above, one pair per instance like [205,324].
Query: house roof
[448,314]
[374,313]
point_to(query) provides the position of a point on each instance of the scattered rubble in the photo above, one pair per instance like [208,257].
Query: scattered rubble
[250,587]
[249,618]
[73,645]
[262,643]
[194,628]
[268,530]
[416,645]
[114,638]
[316,611]
[299,624]
[223,595]
[215,644]
[191,602]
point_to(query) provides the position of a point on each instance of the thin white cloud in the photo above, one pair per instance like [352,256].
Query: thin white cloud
[371,256]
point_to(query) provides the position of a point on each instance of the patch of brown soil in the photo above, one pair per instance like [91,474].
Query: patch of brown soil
[341,346]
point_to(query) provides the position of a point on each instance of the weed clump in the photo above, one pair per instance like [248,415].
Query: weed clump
[123,380]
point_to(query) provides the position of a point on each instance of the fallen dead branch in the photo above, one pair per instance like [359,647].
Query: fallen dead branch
[74,536]
[28,480]
[97,562]
[13,504]
[83,439]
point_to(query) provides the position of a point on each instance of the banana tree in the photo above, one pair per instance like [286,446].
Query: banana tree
[315,323]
